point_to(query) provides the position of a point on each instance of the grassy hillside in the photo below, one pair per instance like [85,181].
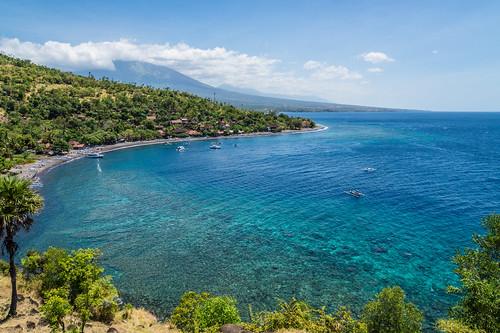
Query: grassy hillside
[42,109]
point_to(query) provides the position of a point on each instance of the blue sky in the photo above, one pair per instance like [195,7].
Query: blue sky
[439,55]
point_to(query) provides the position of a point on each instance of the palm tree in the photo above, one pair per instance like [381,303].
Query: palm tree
[18,204]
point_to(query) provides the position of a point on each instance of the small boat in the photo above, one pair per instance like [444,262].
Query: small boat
[354,193]
[369,169]
[95,155]
[215,147]
[36,183]
[180,148]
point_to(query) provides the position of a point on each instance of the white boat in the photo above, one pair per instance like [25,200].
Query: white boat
[36,183]
[95,155]
[180,148]
[369,169]
[215,146]
[354,193]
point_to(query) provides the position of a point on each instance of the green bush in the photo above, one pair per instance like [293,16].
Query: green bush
[294,314]
[455,326]
[217,311]
[479,272]
[89,293]
[299,315]
[389,313]
[341,322]
[204,312]
[55,308]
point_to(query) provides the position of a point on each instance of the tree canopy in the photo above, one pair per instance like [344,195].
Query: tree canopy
[479,272]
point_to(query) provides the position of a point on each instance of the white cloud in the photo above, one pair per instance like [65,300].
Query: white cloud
[435,51]
[376,57]
[214,66]
[375,70]
[206,63]
[312,65]
[322,71]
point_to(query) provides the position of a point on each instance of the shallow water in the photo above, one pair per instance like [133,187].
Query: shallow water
[266,218]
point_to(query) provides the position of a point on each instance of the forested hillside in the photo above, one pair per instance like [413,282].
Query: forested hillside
[43,109]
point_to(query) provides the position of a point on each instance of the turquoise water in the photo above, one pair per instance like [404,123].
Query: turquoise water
[268,219]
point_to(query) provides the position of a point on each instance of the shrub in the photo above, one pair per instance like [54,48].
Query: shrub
[389,313]
[217,311]
[455,326]
[479,272]
[32,264]
[294,314]
[341,322]
[204,312]
[55,308]
[183,316]
[86,290]
[299,315]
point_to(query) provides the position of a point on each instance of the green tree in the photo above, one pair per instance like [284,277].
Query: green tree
[217,311]
[455,326]
[294,314]
[204,312]
[97,302]
[479,272]
[390,313]
[18,204]
[55,308]
[298,315]
[60,146]
[88,292]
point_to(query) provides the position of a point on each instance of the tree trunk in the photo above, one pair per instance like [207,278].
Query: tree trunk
[13,283]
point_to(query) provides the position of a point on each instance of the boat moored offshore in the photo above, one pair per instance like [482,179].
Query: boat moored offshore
[354,193]
[95,155]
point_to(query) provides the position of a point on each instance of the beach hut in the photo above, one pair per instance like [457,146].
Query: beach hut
[76,144]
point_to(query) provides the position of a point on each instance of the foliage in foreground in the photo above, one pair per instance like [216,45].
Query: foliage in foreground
[390,313]
[204,312]
[455,326]
[71,283]
[299,315]
[479,272]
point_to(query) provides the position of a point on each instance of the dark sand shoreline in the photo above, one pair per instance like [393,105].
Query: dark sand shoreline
[48,163]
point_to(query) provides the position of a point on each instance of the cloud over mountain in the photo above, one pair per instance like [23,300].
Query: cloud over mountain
[214,66]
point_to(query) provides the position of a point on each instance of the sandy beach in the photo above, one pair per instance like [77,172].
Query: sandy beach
[46,163]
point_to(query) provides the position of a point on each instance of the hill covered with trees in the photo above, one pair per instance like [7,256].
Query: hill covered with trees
[43,109]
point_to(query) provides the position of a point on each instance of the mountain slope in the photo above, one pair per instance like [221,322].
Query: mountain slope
[43,109]
[152,75]
[164,77]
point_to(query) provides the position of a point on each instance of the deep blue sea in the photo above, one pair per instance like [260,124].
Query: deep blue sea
[266,218]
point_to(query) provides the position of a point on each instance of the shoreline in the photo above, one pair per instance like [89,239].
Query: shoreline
[47,163]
